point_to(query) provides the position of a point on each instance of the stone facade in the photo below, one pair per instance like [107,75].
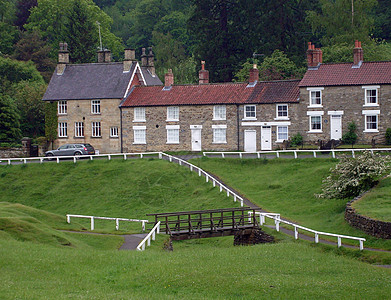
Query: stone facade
[349,103]
[80,111]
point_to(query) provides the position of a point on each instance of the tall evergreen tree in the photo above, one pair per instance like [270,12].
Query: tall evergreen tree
[23,8]
[9,120]
[81,33]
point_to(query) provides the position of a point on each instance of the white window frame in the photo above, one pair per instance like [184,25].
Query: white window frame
[62,107]
[278,117]
[173,113]
[279,128]
[96,129]
[219,112]
[368,97]
[62,129]
[79,129]
[139,114]
[95,107]
[139,135]
[172,134]
[219,134]
[371,113]
[315,90]
[247,115]
[114,132]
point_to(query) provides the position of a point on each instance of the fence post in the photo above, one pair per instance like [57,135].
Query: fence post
[295,154]
[74,159]
[353,153]
[199,172]
[315,154]
[333,153]
[179,162]
[296,233]
[68,219]
[240,154]
[214,183]
[170,158]
[207,177]
[143,225]
[9,161]
[91,158]
[149,241]
[125,158]
[241,202]
[316,238]
[339,242]
[116,224]
[141,155]
[258,155]
[262,219]
[222,155]
[234,197]
[191,168]
[153,235]
[227,193]
[221,187]
[92,223]
[41,160]
[361,245]
[158,229]
[109,157]
[58,160]
[160,155]
[278,154]
[277,222]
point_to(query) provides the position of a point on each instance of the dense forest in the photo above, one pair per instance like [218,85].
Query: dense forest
[230,35]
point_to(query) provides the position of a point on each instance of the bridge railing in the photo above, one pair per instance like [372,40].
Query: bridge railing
[151,235]
[277,220]
[208,177]
[295,153]
[93,218]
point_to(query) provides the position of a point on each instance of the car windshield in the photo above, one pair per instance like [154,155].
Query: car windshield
[62,147]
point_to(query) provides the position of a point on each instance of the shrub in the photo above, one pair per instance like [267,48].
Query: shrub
[388,136]
[352,176]
[350,137]
[297,140]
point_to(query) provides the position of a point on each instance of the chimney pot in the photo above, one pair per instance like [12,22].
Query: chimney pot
[169,78]
[101,56]
[358,54]
[150,61]
[203,75]
[107,55]
[144,58]
[314,56]
[254,74]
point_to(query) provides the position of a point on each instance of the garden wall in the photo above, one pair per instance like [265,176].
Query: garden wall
[379,229]
[12,153]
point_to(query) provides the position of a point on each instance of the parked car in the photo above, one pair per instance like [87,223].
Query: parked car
[72,150]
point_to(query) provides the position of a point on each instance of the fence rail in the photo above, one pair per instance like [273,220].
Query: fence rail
[296,152]
[151,235]
[93,218]
[277,220]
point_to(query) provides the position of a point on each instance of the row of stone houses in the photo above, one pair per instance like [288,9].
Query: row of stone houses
[123,107]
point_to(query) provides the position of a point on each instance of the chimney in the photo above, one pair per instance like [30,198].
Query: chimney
[254,74]
[63,58]
[151,65]
[107,55]
[168,78]
[101,56]
[314,56]
[203,74]
[130,56]
[358,54]
[144,58]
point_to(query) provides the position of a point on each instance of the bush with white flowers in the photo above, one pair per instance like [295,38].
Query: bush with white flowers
[352,176]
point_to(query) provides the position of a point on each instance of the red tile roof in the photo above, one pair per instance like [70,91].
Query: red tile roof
[227,93]
[344,74]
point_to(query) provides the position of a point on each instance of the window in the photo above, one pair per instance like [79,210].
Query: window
[282,111]
[95,106]
[173,113]
[139,114]
[62,129]
[371,123]
[219,112]
[113,131]
[219,134]
[62,107]
[282,133]
[139,134]
[249,112]
[371,95]
[172,134]
[316,123]
[315,97]
[79,129]
[96,129]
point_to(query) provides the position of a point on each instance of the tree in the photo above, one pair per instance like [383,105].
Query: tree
[23,8]
[51,121]
[350,137]
[9,120]
[8,37]
[80,32]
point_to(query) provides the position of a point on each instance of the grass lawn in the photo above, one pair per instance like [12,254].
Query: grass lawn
[287,186]
[377,203]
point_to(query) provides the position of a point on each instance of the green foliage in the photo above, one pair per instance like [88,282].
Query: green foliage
[388,136]
[352,176]
[338,24]
[8,37]
[296,140]
[350,137]
[9,120]
[51,121]
[23,8]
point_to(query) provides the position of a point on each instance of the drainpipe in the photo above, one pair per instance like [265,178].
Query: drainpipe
[120,117]
[237,121]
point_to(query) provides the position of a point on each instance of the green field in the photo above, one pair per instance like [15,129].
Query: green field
[377,203]
[37,261]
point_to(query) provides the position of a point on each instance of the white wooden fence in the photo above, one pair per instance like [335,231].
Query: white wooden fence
[93,218]
[151,235]
[277,220]
[295,152]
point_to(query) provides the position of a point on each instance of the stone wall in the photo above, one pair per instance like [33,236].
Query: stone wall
[12,153]
[379,229]
[257,236]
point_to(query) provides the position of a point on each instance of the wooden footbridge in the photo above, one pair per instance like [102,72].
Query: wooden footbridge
[207,223]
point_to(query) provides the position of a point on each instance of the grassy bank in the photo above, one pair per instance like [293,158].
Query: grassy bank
[287,187]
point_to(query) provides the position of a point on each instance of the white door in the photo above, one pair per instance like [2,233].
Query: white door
[250,141]
[336,127]
[196,139]
[266,138]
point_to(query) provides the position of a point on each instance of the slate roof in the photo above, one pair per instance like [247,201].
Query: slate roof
[344,74]
[93,81]
[209,94]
